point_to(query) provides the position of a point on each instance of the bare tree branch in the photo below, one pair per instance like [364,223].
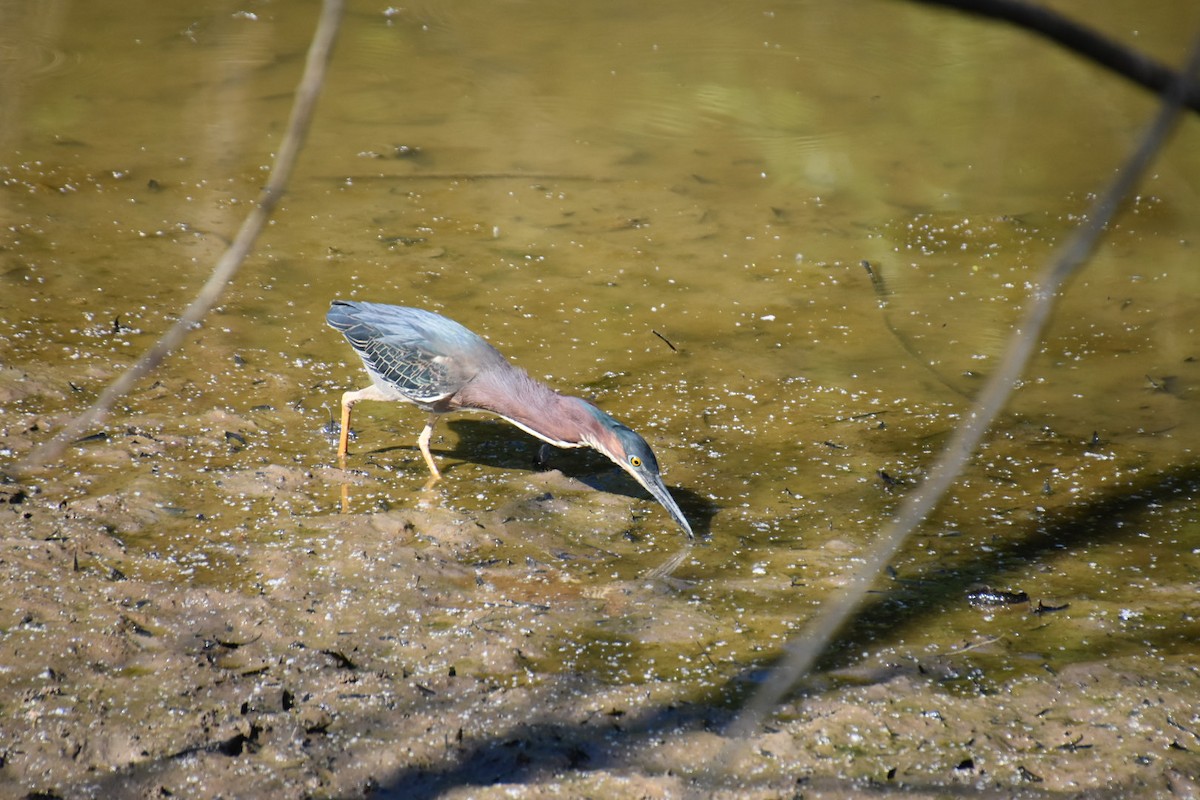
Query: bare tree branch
[231,260]
[802,651]
[1137,67]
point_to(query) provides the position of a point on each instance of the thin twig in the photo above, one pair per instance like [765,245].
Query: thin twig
[968,648]
[231,260]
[665,339]
[802,651]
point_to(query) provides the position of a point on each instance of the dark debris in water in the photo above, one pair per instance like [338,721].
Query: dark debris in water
[987,597]
[340,659]
[1042,608]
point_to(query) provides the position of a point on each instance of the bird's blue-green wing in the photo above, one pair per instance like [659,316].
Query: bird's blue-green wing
[414,371]
[422,355]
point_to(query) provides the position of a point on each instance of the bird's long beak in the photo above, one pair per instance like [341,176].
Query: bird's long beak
[655,487]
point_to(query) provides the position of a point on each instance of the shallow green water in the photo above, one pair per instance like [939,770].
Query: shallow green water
[583,186]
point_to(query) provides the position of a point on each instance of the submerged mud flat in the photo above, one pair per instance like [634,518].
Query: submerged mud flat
[425,651]
[666,209]
[131,688]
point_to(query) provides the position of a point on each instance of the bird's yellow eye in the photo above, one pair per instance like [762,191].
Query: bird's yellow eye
[635,461]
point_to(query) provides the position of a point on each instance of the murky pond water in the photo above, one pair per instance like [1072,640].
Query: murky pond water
[664,208]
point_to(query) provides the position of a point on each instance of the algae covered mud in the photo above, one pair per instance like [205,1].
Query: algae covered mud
[664,210]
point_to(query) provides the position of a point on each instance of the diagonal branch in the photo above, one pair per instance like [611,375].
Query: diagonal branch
[233,257]
[1137,67]
[801,652]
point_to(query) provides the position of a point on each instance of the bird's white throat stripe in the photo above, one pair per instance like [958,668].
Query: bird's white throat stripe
[542,436]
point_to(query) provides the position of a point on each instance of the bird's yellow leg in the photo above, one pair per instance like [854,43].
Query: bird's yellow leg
[348,400]
[423,441]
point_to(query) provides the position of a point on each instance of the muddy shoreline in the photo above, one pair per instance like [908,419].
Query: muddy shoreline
[390,654]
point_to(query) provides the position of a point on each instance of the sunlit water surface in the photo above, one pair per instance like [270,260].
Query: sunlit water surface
[664,208]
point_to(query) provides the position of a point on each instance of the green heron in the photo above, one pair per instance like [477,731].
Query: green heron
[423,358]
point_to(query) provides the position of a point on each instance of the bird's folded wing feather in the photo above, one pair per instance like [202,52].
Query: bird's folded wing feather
[421,375]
